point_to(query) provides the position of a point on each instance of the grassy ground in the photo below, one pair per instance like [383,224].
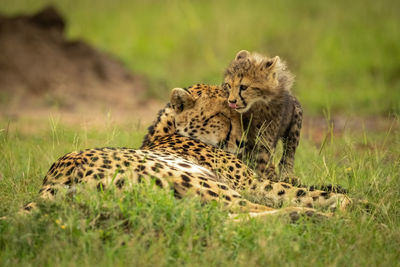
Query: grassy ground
[345,54]
[149,227]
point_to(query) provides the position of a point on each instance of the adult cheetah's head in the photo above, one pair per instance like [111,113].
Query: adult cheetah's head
[202,113]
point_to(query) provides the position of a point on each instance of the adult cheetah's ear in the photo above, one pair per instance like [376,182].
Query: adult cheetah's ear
[242,55]
[181,99]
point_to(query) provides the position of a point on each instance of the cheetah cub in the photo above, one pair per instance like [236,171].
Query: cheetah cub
[259,88]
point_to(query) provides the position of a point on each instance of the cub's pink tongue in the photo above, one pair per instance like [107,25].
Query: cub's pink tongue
[232,105]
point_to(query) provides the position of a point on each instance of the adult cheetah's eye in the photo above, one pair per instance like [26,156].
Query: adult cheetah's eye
[243,87]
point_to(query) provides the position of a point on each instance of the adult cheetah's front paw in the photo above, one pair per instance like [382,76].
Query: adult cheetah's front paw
[293,213]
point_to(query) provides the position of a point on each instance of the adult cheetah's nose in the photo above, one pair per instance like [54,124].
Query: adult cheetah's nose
[232,103]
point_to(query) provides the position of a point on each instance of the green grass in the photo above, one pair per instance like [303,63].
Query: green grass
[148,226]
[345,54]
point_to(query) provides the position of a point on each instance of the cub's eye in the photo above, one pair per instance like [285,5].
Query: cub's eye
[243,87]
[227,86]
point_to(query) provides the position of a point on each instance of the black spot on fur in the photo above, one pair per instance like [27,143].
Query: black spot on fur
[53,191]
[204,184]
[268,187]
[100,186]
[212,193]
[99,175]
[142,167]
[184,165]
[177,194]
[69,171]
[120,183]
[159,183]
[227,197]
[159,165]
[326,195]
[300,193]
[185,178]
[155,169]
[223,187]
[186,184]
[203,178]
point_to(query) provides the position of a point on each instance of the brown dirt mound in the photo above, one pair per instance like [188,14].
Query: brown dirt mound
[41,69]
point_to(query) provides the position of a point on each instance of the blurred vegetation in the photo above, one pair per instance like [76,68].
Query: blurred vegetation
[346,54]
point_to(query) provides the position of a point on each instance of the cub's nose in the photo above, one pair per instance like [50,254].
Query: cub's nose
[232,101]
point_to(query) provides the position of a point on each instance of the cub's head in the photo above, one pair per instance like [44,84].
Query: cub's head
[202,113]
[252,77]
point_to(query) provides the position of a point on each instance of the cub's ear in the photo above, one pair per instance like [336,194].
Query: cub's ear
[242,55]
[180,99]
[272,63]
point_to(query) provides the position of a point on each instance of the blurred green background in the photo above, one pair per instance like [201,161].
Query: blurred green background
[345,54]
